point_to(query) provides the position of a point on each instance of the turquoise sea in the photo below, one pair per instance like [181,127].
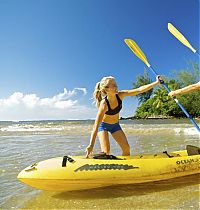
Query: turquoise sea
[23,143]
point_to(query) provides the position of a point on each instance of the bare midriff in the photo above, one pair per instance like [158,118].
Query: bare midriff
[111,119]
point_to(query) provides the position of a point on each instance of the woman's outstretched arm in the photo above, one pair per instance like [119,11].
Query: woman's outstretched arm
[186,89]
[139,90]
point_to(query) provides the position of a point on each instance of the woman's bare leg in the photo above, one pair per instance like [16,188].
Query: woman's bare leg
[121,139]
[104,141]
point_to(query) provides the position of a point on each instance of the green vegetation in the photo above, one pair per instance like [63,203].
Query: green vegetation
[143,80]
[157,103]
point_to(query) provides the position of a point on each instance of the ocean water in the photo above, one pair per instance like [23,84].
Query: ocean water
[23,143]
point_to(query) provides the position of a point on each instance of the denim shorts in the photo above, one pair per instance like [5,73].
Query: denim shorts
[109,127]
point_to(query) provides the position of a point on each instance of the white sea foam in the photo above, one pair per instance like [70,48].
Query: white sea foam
[85,128]
[27,128]
[177,131]
[186,131]
[191,131]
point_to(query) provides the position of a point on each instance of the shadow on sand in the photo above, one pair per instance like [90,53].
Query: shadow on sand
[130,190]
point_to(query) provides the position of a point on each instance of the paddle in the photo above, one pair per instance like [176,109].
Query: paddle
[138,52]
[181,38]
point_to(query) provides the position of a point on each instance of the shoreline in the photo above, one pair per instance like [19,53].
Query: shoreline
[121,118]
[156,118]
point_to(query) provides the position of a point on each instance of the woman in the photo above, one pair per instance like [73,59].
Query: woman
[109,102]
[186,89]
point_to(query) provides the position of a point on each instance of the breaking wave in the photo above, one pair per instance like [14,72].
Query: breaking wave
[142,127]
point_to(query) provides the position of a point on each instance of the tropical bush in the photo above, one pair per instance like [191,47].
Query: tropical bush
[157,103]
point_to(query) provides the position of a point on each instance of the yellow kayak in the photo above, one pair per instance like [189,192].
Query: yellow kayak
[77,173]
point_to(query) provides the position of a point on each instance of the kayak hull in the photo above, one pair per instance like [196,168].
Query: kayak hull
[79,173]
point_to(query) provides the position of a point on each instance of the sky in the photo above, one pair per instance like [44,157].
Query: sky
[53,52]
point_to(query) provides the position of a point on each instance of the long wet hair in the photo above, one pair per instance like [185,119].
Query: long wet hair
[99,91]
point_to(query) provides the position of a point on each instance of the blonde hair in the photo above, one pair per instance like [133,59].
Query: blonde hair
[99,91]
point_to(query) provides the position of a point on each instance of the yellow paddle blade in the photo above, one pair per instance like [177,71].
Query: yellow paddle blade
[180,37]
[137,51]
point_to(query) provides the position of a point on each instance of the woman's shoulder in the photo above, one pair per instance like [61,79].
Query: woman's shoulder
[102,107]
[103,103]
[121,94]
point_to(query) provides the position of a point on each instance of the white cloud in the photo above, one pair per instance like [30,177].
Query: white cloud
[82,89]
[64,105]
[30,100]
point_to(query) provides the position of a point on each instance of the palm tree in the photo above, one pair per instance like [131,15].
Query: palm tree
[160,97]
[143,80]
[173,84]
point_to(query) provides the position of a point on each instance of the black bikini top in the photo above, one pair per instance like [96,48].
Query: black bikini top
[117,109]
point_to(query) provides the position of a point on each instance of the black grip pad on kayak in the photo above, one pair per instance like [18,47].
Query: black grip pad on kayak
[192,150]
[105,156]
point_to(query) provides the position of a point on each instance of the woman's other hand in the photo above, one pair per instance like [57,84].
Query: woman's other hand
[89,150]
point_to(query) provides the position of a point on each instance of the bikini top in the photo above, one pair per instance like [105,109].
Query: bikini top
[117,109]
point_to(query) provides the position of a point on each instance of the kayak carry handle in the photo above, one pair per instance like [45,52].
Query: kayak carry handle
[65,159]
